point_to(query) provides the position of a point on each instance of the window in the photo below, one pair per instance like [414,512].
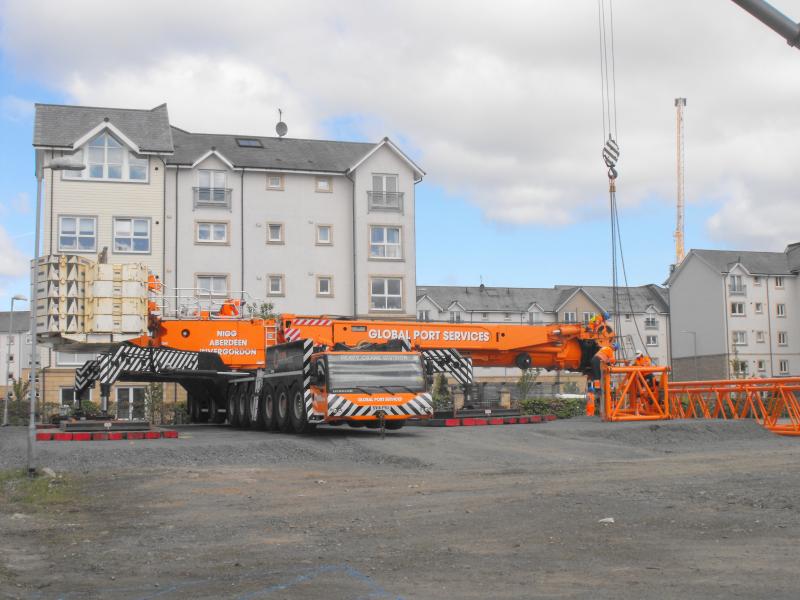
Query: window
[384,242]
[384,194]
[212,285]
[760,337]
[780,310]
[211,187]
[77,157]
[759,308]
[211,232]
[737,309]
[735,284]
[628,317]
[485,316]
[587,316]
[73,359]
[651,340]
[274,182]
[107,159]
[249,143]
[534,317]
[77,234]
[67,397]
[650,323]
[323,184]
[570,317]
[275,285]
[455,316]
[131,235]
[783,366]
[779,282]
[739,367]
[131,403]
[783,338]
[386,293]
[739,338]
[324,285]
[507,317]
[137,167]
[275,233]
[757,280]
[423,315]
[324,235]
[761,365]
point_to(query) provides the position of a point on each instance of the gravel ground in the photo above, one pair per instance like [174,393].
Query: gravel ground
[701,509]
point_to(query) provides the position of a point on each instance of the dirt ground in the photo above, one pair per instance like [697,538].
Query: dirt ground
[700,509]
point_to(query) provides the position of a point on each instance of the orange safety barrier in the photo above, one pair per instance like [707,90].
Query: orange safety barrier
[772,402]
[632,393]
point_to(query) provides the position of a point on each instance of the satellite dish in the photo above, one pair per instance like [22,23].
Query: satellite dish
[281,127]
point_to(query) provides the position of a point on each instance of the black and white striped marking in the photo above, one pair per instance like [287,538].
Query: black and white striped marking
[450,361]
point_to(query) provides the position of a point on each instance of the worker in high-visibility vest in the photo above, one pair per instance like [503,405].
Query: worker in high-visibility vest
[642,360]
[605,355]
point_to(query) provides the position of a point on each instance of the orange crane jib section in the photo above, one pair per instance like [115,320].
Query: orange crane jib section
[645,393]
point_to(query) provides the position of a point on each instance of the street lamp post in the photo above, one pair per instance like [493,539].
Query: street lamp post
[694,353]
[56,164]
[21,298]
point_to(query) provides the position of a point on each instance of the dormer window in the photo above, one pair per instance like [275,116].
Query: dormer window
[107,159]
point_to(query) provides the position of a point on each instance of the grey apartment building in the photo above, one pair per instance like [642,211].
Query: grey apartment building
[735,314]
[311,226]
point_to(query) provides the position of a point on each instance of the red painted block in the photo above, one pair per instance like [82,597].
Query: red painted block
[62,436]
[481,422]
[495,421]
[549,417]
[170,434]
[135,435]
[511,420]
[536,419]
[524,420]
[469,421]
[114,435]
[44,436]
[99,436]
[152,435]
[81,436]
[450,422]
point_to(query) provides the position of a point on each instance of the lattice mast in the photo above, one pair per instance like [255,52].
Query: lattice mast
[680,105]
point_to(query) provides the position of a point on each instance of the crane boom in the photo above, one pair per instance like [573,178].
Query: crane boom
[774,19]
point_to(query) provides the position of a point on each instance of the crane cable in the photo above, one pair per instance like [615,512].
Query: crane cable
[608,96]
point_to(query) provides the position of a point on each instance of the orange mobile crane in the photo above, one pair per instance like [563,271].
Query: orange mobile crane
[293,372]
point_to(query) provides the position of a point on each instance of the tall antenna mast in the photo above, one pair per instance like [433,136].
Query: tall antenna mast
[680,103]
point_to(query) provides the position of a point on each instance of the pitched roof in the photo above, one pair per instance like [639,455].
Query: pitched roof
[288,154]
[503,299]
[60,126]
[21,321]
[757,263]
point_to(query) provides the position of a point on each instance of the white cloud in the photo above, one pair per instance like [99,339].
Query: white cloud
[16,109]
[501,101]
[13,263]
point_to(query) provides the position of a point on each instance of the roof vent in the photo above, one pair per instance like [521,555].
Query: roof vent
[281,129]
[106,119]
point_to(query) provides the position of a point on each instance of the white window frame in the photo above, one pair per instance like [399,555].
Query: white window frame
[783,338]
[397,202]
[739,367]
[760,337]
[783,366]
[455,316]
[736,282]
[209,291]
[329,279]
[588,316]
[132,237]
[385,295]
[279,187]
[319,240]
[739,338]
[757,280]
[212,227]
[424,315]
[779,282]
[780,310]
[651,340]
[628,316]
[651,322]
[385,244]
[77,235]
[320,184]
[570,316]
[759,308]
[761,365]
[63,389]
[130,389]
[281,239]
[281,279]
[735,313]
[129,161]
[74,360]
[212,188]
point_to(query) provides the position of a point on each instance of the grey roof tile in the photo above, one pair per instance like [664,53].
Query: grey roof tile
[757,263]
[21,321]
[61,125]
[277,153]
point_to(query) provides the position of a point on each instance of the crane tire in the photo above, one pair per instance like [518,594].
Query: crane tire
[297,411]
[243,404]
[214,414]
[282,408]
[233,415]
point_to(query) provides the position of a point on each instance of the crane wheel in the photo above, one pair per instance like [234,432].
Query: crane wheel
[282,408]
[395,425]
[266,407]
[233,414]
[243,404]
[297,413]
[194,410]
[215,414]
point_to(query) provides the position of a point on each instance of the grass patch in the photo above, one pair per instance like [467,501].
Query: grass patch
[16,488]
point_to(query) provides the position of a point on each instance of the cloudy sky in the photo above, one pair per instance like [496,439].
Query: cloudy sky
[500,102]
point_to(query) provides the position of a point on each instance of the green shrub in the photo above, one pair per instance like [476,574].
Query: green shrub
[563,408]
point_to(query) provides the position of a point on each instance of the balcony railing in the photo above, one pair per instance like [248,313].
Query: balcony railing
[650,324]
[737,290]
[216,197]
[385,201]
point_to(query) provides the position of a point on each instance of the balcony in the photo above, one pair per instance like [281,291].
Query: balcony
[212,197]
[737,290]
[386,201]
